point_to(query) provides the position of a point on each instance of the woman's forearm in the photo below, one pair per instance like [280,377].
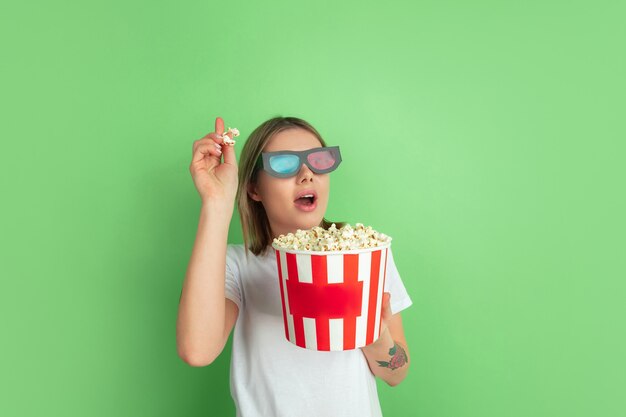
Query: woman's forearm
[201,311]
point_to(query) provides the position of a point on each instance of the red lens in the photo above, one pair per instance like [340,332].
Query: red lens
[321,159]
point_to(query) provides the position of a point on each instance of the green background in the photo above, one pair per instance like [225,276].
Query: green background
[485,137]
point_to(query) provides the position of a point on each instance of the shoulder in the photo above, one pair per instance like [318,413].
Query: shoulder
[390,258]
[394,284]
[235,249]
[238,251]
[235,255]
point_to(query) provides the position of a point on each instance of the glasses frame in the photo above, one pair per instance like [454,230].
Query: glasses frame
[264,161]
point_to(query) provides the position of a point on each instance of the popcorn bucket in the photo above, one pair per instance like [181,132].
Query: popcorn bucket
[332,300]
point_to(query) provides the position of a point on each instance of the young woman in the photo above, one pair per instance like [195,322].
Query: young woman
[225,286]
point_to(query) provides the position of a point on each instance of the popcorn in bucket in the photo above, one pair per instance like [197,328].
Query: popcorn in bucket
[332,299]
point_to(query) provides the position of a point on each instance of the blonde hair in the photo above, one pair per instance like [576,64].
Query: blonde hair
[257,234]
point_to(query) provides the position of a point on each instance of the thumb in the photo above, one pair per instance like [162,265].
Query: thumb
[219,125]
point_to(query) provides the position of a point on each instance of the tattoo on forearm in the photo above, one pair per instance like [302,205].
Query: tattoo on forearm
[398,358]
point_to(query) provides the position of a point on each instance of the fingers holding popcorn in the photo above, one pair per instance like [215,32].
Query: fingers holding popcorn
[217,140]
[227,137]
[214,178]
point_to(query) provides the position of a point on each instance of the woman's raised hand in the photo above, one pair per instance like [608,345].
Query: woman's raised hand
[215,180]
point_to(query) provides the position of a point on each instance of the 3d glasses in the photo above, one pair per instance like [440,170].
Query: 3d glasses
[284,164]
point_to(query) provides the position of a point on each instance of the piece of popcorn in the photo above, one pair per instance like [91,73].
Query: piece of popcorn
[228,140]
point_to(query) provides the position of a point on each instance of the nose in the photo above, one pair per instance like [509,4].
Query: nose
[305,174]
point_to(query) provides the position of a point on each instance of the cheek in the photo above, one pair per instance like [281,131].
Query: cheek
[325,188]
[277,194]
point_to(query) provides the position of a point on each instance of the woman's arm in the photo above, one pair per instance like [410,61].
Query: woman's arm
[200,327]
[388,357]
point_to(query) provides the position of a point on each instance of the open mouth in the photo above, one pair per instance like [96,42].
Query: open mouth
[306,203]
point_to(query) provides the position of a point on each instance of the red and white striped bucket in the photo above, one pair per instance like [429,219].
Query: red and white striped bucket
[332,301]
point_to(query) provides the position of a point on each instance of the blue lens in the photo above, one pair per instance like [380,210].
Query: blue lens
[285,164]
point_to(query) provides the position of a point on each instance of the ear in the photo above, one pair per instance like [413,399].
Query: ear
[253,193]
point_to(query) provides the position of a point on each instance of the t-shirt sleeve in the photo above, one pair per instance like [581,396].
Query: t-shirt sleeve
[233,285]
[400,299]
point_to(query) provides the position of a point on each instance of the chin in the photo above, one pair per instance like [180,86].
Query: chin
[311,223]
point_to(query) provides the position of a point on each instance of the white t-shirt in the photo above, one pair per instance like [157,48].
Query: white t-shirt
[270,376]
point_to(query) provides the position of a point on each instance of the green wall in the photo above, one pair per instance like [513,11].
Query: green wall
[485,137]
